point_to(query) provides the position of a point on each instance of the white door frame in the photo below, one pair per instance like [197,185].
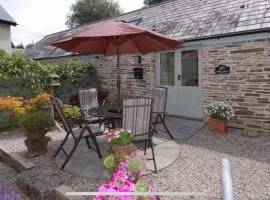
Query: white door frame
[177,71]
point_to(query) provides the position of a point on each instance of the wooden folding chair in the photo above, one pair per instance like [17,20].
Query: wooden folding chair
[85,132]
[159,110]
[88,99]
[136,116]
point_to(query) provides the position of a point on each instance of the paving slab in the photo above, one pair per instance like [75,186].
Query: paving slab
[181,128]
[86,163]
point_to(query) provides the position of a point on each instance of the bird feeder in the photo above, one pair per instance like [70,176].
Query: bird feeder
[52,80]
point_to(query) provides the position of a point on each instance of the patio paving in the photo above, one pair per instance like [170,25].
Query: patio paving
[181,128]
[198,168]
[85,162]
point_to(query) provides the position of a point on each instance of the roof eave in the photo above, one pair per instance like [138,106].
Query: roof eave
[8,22]
[261,30]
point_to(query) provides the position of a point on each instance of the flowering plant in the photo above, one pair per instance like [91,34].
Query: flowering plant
[220,111]
[5,194]
[124,179]
[135,163]
[119,136]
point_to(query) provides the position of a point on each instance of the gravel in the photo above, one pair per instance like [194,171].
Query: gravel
[198,168]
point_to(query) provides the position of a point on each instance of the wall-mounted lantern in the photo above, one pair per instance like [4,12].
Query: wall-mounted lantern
[138,71]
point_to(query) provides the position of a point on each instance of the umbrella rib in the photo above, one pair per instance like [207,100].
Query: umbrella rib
[156,39]
[136,45]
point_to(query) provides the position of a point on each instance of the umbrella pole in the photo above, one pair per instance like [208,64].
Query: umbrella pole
[118,77]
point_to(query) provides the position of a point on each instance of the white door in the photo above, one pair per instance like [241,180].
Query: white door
[180,72]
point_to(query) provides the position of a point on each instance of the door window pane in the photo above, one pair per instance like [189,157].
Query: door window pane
[167,75]
[190,71]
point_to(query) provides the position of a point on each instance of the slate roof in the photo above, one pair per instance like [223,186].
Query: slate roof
[6,18]
[182,19]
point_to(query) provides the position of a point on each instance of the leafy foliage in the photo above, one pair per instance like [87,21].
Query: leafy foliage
[86,11]
[23,77]
[71,111]
[37,118]
[36,123]
[119,136]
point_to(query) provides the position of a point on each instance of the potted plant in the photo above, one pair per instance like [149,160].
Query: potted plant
[35,123]
[120,140]
[219,114]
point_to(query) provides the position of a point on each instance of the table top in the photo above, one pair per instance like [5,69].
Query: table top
[104,111]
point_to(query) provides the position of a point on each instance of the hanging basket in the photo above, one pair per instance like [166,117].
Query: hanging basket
[220,126]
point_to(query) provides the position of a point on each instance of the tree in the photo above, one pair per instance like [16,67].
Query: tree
[86,11]
[30,45]
[151,2]
[20,46]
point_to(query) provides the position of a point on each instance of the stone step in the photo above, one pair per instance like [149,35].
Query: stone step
[16,160]
[59,194]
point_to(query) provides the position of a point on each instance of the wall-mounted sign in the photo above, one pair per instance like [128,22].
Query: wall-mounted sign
[222,69]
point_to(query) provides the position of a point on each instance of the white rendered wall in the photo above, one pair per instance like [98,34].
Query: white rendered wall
[5,41]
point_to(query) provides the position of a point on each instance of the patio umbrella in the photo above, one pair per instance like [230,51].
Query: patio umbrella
[115,38]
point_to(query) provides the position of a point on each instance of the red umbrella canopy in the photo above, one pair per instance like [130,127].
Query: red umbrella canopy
[116,37]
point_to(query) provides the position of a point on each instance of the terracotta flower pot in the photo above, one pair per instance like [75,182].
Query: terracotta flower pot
[36,146]
[124,150]
[220,126]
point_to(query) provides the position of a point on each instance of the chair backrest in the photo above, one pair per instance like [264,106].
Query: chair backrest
[88,99]
[57,104]
[160,100]
[136,116]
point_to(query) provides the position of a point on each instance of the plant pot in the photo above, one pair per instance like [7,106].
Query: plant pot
[36,146]
[124,150]
[220,126]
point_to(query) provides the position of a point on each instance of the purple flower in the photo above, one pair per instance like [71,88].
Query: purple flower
[5,194]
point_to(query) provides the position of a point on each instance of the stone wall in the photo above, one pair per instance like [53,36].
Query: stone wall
[247,87]
[106,69]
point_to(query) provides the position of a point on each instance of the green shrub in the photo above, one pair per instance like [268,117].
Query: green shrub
[29,76]
[71,111]
[36,123]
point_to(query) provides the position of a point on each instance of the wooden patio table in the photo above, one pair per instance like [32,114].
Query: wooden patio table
[109,112]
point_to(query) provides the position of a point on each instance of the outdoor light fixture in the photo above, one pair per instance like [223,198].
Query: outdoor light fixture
[138,71]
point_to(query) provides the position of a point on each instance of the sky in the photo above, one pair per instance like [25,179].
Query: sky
[37,18]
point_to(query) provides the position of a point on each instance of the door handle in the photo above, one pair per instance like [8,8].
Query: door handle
[179,77]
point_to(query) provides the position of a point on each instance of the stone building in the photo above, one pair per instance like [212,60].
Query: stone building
[225,57]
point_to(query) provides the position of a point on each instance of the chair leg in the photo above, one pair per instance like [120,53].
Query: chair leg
[92,135]
[145,146]
[153,154]
[166,128]
[88,143]
[97,147]
[77,141]
[61,146]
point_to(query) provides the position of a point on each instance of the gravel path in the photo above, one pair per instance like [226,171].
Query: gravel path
[197,169]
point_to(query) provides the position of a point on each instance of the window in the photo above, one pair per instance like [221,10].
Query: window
[167,67]
[135,21]
[190,72]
